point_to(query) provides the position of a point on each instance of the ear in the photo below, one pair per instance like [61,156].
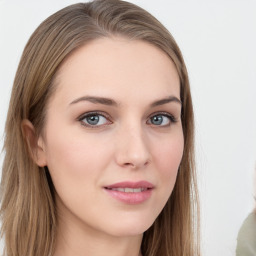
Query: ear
[35,144]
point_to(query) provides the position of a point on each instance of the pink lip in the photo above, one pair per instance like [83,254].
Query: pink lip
[130,184]
[130,197]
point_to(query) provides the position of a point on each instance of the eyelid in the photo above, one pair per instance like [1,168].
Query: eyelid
[172,118]
[91,113]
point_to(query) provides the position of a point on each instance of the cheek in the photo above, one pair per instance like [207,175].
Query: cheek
[65,166]
[76,160]
[75,168]
[72,151]
[168,156]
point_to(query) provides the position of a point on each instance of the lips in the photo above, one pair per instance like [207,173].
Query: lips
[130,192]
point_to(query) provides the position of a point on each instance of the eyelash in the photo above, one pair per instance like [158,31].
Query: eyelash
[171,118]
[95,113]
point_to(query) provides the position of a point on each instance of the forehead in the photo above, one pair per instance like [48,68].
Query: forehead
[117,67]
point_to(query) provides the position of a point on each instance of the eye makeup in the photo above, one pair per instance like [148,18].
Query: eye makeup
[99,119]
[161,119]
[94,119]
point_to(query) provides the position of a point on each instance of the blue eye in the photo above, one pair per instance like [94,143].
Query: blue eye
[94,119]
[162,120]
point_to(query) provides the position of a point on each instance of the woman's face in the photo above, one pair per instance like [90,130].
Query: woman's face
[113,138]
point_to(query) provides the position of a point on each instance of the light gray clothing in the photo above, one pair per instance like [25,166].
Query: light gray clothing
[246,240]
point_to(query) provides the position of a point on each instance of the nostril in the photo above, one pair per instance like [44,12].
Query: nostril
[130,165]
[132,154]
[136,165]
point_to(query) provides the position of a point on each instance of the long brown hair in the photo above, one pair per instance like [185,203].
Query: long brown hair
[28,210]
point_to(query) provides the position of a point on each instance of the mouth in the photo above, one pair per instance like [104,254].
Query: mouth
[130,192]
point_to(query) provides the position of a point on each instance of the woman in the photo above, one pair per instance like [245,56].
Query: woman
[99,139]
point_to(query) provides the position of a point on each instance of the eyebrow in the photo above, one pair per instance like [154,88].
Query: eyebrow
[165,101]
[110,102]
[96,100]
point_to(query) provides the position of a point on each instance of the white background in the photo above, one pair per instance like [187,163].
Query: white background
[218,41]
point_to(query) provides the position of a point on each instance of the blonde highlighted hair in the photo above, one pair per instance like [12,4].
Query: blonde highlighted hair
[28,210]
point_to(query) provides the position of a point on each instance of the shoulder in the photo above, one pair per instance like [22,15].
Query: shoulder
[246,240]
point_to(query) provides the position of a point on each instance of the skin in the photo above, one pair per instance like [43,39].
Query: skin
[127,144]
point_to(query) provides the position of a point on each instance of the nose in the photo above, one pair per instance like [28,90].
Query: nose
[132,150]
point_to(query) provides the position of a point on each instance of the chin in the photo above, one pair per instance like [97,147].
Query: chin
[129,227]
